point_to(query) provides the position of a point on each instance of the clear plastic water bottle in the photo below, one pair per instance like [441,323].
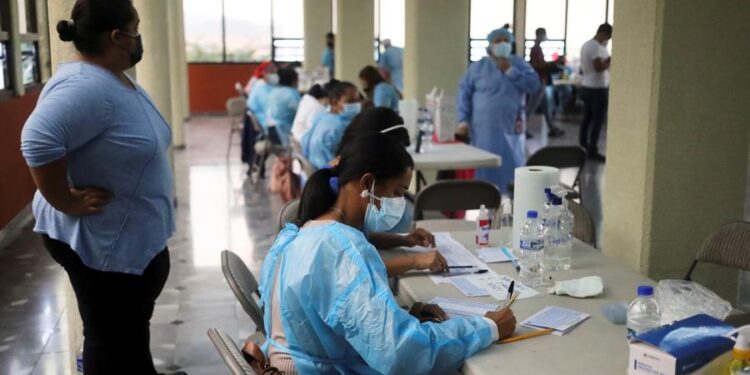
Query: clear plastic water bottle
[553,236]
[506,222]
[427,127]
[643,313]
[565,246]
[532,250]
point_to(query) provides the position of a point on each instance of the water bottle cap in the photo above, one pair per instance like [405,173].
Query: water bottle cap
[645,290]
[556,201]
[532,214]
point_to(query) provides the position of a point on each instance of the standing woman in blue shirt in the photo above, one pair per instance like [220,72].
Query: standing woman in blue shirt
[379,92]
[97,149]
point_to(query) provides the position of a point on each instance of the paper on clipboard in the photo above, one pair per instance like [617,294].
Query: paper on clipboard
[560,319]
[460,307]
[456,255]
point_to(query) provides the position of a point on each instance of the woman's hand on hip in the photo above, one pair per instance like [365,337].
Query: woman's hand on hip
[87,201]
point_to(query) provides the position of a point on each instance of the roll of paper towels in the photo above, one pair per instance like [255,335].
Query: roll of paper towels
[528,194]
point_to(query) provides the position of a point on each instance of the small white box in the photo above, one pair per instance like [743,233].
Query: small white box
[649,360]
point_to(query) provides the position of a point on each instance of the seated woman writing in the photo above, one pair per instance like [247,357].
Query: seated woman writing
[328,307]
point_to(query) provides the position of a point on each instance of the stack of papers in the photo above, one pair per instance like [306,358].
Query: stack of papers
[456,255]
[560,319]
[458,307]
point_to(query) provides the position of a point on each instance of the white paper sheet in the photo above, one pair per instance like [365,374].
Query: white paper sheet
[497,285]
[460,307]
[492,255]
[468,288]
[456,255]
[560,319]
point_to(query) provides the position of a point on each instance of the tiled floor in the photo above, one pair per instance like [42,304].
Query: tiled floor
[217,209]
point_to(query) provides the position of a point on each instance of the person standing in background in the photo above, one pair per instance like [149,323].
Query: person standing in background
[490,106]
[97,149]
[392,60]
[328,59]
[595,62]
[540,99]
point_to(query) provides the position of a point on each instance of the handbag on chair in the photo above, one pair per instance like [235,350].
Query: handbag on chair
[257,361]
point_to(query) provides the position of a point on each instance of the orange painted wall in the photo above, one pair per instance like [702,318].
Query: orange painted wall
[16,186]
[212,84]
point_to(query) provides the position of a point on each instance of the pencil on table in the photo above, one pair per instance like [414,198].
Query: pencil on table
[527,336]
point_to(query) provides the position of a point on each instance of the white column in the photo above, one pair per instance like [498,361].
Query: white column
[677,142]
[184,86]
[60,51]
[519,26]
[437,46]
[317,19]
[355,38]
[175,73]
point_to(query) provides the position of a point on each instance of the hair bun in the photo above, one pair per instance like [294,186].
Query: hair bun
[66,29]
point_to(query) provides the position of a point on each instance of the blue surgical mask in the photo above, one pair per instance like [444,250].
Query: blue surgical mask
[387,216]
[272,79]
[351,109]
[501,49]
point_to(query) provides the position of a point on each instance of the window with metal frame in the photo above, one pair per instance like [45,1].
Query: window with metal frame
[29,31]
[485,16]
[243,30]
[569,24]
[5,79]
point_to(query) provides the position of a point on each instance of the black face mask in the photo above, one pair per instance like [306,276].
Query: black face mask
[137,55]
[329,44]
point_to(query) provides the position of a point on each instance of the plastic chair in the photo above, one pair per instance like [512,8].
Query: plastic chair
[727,246]
[235,111]
[288,213]
[583,226]
[453,195]
[562,157]
[229,352]
[263,148]
[244,286]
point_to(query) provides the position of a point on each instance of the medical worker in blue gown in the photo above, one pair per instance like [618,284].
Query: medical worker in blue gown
[282,104]
[392,60]
[319,143]
[328,307]
[257,102]
[490,106]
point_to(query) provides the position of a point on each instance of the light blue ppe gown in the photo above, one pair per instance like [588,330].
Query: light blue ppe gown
[491,101]
[320,142]
[282,107]
[328,60]
[393,60]
[258,103]
[340,317]
[385,95]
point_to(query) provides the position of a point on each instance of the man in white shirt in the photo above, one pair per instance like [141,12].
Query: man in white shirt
[595,62]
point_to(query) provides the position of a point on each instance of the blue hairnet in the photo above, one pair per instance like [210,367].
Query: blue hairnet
[500,32]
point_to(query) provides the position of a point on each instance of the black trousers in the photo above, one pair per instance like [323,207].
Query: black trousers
[595,103]
[116,309]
